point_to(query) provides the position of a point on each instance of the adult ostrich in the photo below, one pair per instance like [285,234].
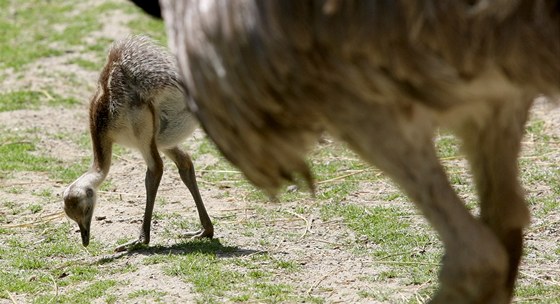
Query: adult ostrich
[266,77]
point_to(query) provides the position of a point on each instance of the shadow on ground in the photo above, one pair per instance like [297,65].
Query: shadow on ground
[213,246]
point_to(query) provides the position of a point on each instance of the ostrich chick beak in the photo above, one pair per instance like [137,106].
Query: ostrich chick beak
[84,230]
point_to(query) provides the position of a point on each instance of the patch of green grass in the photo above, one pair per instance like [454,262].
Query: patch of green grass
[80,273]
[50,242]
[273,292]
[151,27]
[146,25]
[536,132]
[35,208]
[379,224]
[26,262]
[84,140]
[12,207]
[205,273]
[287,265]
[539,168]
[379,295]
[331,162]
[94,290]
[179,223]
[393,237]
[21,282]
[337,172]
[69,173]
[214,279]
[26,33]
[447,146]
[536,127]
[537,292]
[155,259]
[46,193]
[18,100]
[129,267]
[156,295]
[57,100]
[101,47]
[15,190]
[393,196]
[19,153]
[35,271]
[30,31]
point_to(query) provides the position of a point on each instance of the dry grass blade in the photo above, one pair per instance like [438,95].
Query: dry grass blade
[218,171]
[342,177]
[23,183]
[11,297]
[548,282]
[319,281]
[308,223]
[44,219]
[421,299]
[452,157]
[47,95]
[406,263]
[55,289]
[127,159]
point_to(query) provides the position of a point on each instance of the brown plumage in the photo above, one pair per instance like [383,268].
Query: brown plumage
[266,77]
[139,103]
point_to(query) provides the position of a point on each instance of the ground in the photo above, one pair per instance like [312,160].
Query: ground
[360,240]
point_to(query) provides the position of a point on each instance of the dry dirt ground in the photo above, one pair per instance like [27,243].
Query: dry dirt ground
[328,271]
[120,209]
[337,273]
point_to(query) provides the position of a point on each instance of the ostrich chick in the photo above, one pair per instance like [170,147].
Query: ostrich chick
[139,103]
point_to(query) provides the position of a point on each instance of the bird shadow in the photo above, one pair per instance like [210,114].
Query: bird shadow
[204,246]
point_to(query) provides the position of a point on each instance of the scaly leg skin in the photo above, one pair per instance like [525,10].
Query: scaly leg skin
[199,234]
[186,171]
[152,180]
[400,143]
[493,149]
[128,245]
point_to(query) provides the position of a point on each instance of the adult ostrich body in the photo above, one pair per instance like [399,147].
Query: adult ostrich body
[267,77]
